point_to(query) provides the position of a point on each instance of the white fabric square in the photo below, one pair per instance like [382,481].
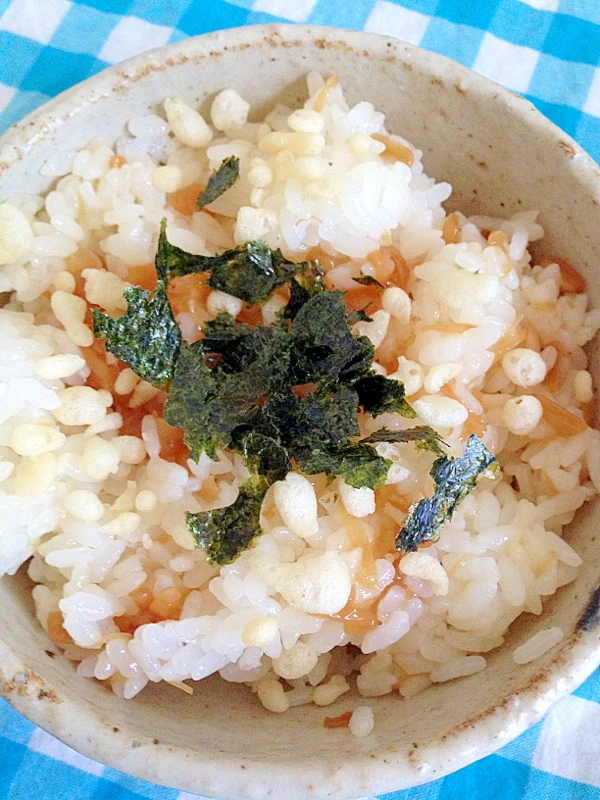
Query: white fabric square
[592,102]
[34,21]
[132,36]
[6,95]
[567,745]
[543,5]
[393,20]
[296,11]
[186,796]
[43,743]
[512,65]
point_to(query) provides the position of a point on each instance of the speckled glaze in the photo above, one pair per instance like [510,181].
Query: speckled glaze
[500,155]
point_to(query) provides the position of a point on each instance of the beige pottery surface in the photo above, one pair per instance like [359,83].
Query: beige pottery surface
[501,156]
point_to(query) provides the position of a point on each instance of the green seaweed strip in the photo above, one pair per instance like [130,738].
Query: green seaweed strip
[218,183]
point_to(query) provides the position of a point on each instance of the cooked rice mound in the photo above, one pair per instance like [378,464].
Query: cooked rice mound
[95,486]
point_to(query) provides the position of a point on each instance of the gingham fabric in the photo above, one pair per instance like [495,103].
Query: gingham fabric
[546,50]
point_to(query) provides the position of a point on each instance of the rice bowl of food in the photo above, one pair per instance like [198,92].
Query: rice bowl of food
[299,470]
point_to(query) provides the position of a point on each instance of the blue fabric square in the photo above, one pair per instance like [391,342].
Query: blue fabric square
[19,55]
[262,18]
[213,16]
[573,39]
[489,779]
[587,133]
[554,83]
[40,777]
[541,785]
[168,12]
[427,7]
[476,15]
[247,4]
[13,726]
[520,24]
[11,759]
[428,791]
[523,747]
[590,689]
[326,13]
[106,790]
[21,105]
[83,30]
[126,783]
[563,116]
[458,42]
[120,7]
[56,70]
[177,36]
[584,9]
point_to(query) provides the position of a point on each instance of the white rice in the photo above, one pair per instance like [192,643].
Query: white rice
[484,340]
[362,721]
[538,644]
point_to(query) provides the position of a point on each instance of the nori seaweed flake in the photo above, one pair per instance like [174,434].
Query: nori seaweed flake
[224,533]
[218,183]
[146,337]
[283,395]
[454,479]
[423,436]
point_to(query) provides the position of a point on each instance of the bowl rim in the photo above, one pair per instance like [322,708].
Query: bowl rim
[46,118]
[578,657]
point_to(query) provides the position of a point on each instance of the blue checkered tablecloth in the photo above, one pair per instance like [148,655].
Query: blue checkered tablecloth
[546,50]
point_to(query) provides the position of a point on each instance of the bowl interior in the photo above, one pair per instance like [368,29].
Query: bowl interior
[500,156]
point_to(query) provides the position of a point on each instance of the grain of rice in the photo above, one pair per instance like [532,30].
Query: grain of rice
[329,692]
[357,502]
[70,311]
[30,439]
[220,301]
[437,410]
[99,458]
[538,644]
[142,393]
[414,685]
[272,696]
[105,289]
[16,235]
[167,178]
[582,386]
[259,632]
[410,373]
[439,375]
[64,281]
[131,449]
[460,667]
[362,721]
[511,582]
[82,405]
[145,501]
[524,367]
[229,111]
[296,501]
[84,505]
[592,458]
[35,475]
[59,366]
[521,414]
[187,124]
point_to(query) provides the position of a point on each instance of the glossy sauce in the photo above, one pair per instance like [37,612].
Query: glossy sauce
[358,616]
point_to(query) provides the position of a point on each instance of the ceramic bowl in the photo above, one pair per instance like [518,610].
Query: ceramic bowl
[501,156]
